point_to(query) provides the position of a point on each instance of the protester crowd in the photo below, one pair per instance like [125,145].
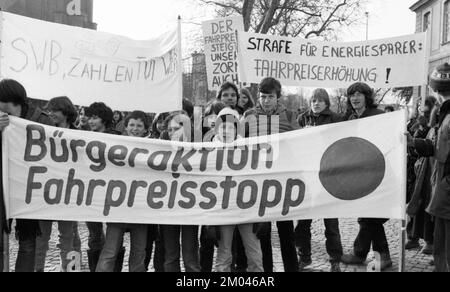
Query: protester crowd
[246,247]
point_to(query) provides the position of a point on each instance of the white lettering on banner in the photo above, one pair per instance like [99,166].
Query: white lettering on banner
[384,63]
[221,50]
[57,60]
[335,171]
[74,8]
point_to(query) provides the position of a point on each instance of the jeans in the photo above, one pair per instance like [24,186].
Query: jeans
[96,238]
[26,233]
[287,244]
[76,238]
[113,245]
[333,239]
[206,251]
[251,244]
[154,235]
[442,245]
[189,246]
[371,231]
[239,263]
[66,237]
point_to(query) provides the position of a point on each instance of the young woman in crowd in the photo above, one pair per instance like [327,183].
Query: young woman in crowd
[118,122]
[246,101]
[158,127]
[229,95]
[83,121]
[179,129]
[136,125]
[62,111]
[100,121]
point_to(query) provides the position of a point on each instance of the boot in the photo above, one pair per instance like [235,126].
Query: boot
[119,261]
[351,259]
[93,257]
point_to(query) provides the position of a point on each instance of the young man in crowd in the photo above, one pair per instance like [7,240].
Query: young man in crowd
[63,113]
[361,101]
[14,102]
[440,202]
[269,117]
[100,121]
[320,114]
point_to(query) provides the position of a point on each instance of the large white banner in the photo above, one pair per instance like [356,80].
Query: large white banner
[88,66]
[220,40]
[386,63]
[347,170]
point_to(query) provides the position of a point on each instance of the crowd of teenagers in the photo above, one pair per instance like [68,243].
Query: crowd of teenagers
[246,247]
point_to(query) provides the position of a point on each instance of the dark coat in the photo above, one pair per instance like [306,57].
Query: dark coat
[370,112]
[309,119]
[25,228]
[440,150]
[257,122]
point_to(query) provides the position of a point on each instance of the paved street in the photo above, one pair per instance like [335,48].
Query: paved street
[415,261]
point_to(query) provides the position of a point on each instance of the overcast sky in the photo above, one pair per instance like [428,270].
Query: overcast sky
[140,19]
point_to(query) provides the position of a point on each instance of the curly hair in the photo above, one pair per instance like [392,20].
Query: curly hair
[138,115]
[366,90]
[102,111]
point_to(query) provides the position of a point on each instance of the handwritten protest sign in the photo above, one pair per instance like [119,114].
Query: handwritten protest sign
[88,66]
[335,171]
[221,50]
[386,63]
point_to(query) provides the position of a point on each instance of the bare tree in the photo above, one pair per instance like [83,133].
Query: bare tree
[296,18]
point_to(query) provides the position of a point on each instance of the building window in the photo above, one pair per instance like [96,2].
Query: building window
[447,21]
[426,21]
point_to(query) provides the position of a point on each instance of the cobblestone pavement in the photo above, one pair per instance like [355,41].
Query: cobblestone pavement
[415,260]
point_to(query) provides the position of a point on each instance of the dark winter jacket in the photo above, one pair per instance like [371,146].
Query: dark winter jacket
[367,113]
[440,150]
[25,228]
[260,123]
[309,119]
[422,192]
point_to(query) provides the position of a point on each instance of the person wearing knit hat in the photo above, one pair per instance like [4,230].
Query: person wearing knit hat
[227,131]
[439,206]
[440,79]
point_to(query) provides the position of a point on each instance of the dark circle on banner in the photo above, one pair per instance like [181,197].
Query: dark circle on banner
[352,168]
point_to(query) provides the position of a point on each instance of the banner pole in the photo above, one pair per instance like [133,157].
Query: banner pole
[180,58]
[402,253]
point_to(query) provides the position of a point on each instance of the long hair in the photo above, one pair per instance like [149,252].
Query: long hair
[226,86]
[65,105]
[366,90]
